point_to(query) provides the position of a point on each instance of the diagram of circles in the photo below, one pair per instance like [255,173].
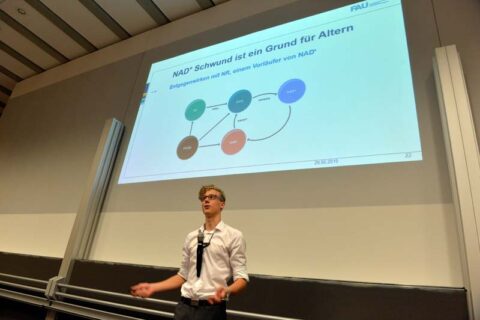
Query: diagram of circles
[233,141]
[187,147]
[239,101]
[291,91]
[195,109]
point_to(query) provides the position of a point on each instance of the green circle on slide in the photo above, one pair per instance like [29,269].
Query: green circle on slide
[195,109]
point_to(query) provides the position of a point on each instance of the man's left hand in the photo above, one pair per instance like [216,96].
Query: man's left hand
[220,295]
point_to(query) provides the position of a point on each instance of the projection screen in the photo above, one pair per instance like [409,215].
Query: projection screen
[333,89]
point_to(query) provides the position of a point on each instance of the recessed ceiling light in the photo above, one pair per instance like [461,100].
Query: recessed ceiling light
[21,11]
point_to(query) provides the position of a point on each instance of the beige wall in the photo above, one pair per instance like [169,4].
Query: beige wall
[44,234]
[384,244]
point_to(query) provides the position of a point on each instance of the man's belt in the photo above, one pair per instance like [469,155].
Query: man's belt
[198,303]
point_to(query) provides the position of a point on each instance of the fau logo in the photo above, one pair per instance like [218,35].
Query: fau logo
[357,7]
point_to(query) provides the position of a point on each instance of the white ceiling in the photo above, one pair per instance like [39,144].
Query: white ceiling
[36,35]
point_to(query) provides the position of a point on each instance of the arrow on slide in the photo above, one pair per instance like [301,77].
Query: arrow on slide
[264,94]
[217,105]
[214,126]
[283,126]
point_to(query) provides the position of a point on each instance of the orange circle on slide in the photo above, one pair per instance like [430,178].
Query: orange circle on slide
[233,141]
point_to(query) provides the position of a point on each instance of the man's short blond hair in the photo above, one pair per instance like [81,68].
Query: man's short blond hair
[204,190]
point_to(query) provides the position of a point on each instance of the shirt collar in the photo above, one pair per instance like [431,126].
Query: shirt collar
[219,227]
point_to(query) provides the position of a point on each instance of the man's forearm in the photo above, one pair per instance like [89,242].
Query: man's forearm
[237,286]
[174,282]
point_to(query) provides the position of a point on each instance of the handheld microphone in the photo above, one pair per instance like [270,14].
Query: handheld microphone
[200,237]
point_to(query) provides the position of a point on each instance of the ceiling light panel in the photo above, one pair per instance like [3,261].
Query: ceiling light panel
[27,48]
[83,21]
[177,9]
[129,14]
[6,81]
[15,66]
[43,28]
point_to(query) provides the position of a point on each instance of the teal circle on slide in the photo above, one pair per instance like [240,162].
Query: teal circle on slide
[239,101]
[195,109]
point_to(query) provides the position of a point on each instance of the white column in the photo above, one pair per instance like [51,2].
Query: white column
[464,165]
[86,220]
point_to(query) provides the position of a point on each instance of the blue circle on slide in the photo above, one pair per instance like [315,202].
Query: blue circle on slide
[291,91]
[239,101]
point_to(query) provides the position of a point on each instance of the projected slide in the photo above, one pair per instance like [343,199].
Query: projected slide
[334,89]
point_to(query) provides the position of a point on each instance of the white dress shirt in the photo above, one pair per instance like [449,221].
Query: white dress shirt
[223,258]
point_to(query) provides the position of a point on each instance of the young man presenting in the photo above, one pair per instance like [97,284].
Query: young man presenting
[212,255]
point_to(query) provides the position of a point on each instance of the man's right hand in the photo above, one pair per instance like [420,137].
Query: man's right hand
[146,289]
[143,290]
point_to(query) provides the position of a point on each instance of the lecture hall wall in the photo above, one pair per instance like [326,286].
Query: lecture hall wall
[390,223]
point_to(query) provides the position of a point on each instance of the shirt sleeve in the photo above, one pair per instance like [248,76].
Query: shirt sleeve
[238,258]
[183,272]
